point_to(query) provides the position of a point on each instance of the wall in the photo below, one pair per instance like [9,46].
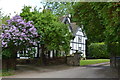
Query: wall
[73,60]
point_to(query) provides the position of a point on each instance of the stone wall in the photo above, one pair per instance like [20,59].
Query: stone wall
[8,64]
[56,61]
[28,61]
[36,61]
[74,60]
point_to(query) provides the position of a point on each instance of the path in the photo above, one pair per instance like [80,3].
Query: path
[64,71]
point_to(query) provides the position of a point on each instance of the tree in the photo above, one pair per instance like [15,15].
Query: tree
[111,16]
[84,14]
[54,35]
[106,15]
[60,8]
[17,35]
[3,18]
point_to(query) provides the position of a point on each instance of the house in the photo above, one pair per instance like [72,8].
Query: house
[78,43]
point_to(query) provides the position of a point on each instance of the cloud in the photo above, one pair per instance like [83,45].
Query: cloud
[12,6]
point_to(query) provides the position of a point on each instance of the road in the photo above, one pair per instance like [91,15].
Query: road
[102,71]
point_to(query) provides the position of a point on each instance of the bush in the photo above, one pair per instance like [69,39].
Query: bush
[114,48]
[98,50]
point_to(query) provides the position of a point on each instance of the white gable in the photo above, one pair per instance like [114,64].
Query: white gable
[79,43]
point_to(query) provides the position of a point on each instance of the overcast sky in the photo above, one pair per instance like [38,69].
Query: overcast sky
[11,6]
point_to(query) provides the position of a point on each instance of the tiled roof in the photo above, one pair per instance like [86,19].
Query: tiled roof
[62,18]
[74,27]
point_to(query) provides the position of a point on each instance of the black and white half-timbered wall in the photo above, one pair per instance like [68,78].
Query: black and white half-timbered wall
[78,43]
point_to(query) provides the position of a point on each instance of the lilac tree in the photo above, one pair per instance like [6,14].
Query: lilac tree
[17,35]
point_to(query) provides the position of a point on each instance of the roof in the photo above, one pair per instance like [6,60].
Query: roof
[74,28]
[62,18]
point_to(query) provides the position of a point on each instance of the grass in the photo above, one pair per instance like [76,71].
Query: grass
[6,73]
[93,61]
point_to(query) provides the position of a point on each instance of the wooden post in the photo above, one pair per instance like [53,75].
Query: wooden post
[119,68]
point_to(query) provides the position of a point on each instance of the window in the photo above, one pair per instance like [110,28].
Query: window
[79,48]
[79,39]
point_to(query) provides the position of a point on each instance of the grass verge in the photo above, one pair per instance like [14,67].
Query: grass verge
[7,73]
[93,61]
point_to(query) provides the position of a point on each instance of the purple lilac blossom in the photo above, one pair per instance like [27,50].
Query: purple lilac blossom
[21,30]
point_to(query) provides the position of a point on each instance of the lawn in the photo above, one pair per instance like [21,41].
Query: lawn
[93,61]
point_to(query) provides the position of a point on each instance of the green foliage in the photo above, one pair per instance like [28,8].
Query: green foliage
[114,48]
[6,53]
[9,52]
[84,14]
[98,50]
[60,8]
[53,33]
[3,18]
[5,72]
[100,20]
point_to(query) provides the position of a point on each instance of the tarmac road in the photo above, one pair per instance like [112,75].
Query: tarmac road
[94,71]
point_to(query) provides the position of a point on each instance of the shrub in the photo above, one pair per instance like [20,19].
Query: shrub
[98,50]
[114,48]
[16,35]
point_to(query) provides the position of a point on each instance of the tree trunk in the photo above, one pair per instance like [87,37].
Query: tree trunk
[48,54]
[56,53]
[112,55]
[38,50]
[42,56]
[53,54]
[13,60]
[9,63]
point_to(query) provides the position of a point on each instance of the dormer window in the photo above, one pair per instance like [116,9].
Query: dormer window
[79,39]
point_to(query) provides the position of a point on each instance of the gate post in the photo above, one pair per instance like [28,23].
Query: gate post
[118,66]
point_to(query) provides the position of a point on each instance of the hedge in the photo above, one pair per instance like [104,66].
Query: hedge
[98,50]
[115,48]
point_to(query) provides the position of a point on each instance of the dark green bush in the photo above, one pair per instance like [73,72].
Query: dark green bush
[98,50]
[114,48]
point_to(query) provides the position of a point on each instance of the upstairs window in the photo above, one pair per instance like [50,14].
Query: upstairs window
[80,39]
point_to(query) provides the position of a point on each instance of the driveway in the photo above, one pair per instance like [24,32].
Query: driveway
[64,71]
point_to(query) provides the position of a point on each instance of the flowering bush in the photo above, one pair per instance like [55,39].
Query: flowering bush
[18,33]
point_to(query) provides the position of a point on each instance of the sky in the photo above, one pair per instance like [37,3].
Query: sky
[12,6]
